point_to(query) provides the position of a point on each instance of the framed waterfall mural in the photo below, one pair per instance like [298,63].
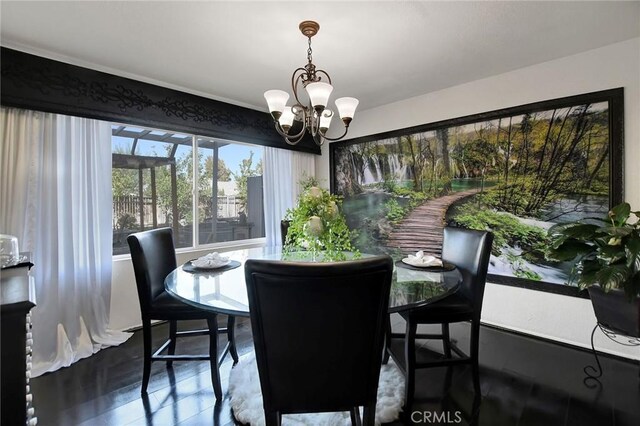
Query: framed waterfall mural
[515,171]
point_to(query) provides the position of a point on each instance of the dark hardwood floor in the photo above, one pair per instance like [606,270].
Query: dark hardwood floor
[524,382]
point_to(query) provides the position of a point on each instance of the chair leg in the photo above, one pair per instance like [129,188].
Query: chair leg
[212,322]
[369,415]
[474,349]
[231,336]
[475,410]
[448,378]
[410,363]
[146,340]
[355,416]
[173,330]
[387,340]
[446,340]
[272,418]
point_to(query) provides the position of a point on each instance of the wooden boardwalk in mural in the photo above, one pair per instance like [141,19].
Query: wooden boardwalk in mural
[422,229]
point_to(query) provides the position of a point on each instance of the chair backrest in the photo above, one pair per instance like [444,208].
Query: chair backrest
[318,331]
[153,257]
[470,251]
[284,229]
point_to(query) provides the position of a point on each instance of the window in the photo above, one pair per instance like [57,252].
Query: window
[154,186]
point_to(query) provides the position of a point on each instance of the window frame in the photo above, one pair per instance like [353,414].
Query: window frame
[196,246]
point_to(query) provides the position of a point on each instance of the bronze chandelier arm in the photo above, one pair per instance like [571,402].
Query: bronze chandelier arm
[293,139]
[294,82]
[293,142]
[318,139]
[346,129]
[284,134]
[325,73]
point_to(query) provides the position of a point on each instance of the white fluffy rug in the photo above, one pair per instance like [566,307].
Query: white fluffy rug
[246,398]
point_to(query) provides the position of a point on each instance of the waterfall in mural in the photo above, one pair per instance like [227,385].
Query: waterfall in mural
[372,172]
[379,168]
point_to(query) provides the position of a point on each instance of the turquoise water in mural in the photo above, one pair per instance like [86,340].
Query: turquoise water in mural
[371,204]
[368,205]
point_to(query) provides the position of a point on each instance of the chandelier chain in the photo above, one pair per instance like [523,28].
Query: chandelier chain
[309,51]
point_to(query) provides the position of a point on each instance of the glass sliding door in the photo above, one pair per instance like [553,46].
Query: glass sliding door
[154,186]
[229,191]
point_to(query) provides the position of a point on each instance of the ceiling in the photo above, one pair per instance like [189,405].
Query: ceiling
[379,52]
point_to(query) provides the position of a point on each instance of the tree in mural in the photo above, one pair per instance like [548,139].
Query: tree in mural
[417,150]
[443,139]
[474,155]
[543,156]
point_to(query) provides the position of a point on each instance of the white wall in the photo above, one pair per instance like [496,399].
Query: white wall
[561,318]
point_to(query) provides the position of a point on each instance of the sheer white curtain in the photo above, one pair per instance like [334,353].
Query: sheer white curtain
[56,197]
[283,170]
[302,165]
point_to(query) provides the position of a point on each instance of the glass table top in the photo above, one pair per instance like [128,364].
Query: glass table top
[226,293]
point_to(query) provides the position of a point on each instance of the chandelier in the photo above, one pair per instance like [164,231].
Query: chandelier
[315,116]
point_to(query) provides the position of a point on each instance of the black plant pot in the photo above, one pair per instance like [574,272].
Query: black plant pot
[615,311]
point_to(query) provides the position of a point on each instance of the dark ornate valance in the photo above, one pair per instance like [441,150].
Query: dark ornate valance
[41,84]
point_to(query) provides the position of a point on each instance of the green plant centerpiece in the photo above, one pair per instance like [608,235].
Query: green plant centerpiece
[607,252]
[317,225]
[608,263]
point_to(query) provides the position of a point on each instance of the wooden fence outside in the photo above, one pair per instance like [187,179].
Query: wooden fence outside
[228,206]
[130,205]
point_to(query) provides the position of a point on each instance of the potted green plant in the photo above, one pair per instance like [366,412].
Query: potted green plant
[607,254]
[317,225]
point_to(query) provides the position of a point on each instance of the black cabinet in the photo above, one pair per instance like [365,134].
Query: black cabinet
[18,297]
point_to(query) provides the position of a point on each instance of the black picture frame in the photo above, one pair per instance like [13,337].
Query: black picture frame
[615,100]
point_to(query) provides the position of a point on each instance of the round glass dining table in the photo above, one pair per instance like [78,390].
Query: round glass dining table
[225,292]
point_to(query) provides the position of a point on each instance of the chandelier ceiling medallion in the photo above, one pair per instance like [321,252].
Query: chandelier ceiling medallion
[315,116]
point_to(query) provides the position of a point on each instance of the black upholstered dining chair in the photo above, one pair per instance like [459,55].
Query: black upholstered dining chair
[470,251]
[153,256]
[284,230]
[318,331]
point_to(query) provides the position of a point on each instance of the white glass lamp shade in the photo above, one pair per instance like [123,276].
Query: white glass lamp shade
[325,119]
[286,119]
[347,107]
[276,99]
[319,93]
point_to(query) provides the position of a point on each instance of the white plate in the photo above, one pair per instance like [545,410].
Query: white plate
[217,266]
[412,262]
